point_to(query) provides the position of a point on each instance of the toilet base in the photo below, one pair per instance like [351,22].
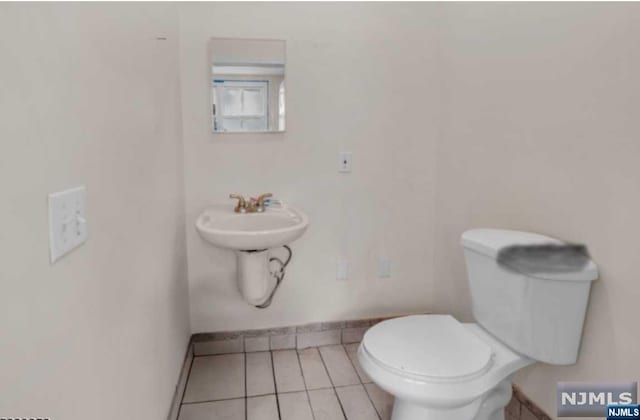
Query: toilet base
[493,405]
[489,407]
[405,410]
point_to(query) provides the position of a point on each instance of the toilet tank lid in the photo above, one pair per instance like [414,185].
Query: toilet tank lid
[490,241]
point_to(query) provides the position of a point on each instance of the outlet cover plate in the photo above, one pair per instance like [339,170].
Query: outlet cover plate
[342,270]
[384,268]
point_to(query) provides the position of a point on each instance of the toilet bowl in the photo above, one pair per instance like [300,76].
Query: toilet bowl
[440,369]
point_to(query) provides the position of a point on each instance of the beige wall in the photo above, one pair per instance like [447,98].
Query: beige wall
[342,93]
[89,96]
[540,131]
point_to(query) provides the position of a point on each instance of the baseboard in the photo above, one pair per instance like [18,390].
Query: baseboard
[181,385]
[522,408]
[295,337]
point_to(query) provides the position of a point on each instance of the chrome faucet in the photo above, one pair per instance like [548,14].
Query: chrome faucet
[255,205]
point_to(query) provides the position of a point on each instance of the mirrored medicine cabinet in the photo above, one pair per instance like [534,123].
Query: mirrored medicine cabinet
[247,84]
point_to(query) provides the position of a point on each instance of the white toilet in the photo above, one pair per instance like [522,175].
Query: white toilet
[438,368]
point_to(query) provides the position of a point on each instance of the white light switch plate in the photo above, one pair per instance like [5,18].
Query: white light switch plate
[67,222]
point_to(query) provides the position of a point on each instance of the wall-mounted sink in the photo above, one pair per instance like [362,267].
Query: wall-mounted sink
[252,236]
[275,227]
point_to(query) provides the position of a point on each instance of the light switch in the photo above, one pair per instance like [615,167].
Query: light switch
[67,222]
[344,161]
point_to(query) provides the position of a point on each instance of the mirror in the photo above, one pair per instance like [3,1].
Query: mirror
[247,85]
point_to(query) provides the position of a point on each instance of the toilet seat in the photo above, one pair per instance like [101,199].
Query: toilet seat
[435,367]
[432,348]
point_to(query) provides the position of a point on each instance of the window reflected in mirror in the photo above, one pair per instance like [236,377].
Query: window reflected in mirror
[248,88]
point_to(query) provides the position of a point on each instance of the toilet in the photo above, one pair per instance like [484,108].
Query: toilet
[438,368]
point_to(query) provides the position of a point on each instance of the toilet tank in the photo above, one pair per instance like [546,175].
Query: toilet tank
[541,315]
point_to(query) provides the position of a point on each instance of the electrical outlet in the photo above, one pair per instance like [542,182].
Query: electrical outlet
[384,268]
[342,270]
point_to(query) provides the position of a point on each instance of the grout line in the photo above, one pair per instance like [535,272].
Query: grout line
[344,346]
[210,401]
[260,395]
[275,384]
[186,383]
[219,354]
[370,399]
[348,386]
[297,392]
[246,412]
[325,368]
[304,381]
[344,414]
[253,396]
[361,383]
[353,365]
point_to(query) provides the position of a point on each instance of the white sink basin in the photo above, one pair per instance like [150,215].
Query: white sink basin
[222,227]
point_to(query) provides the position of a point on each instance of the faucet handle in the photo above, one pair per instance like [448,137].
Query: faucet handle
[257,204]
[261,198]
[241,207]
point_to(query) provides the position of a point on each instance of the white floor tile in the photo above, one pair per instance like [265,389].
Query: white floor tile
[217,410]
[216,378]
[259,374]
[287,371]
[352,352]
[325,405]
[315,375]
[356,403]
[339,366]
[295,406]
[382,400]
[262,408]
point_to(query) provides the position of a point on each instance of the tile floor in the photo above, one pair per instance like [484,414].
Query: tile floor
[317,383]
